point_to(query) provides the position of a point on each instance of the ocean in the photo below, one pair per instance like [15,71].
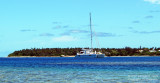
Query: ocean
[80,70]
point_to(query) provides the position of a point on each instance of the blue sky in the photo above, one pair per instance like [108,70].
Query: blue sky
[65,23]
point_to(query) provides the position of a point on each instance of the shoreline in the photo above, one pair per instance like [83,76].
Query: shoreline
[74,56]
[35,56]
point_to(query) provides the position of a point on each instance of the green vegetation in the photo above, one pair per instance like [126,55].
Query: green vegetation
[49,52]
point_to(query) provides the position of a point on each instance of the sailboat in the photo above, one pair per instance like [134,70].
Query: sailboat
[89,53]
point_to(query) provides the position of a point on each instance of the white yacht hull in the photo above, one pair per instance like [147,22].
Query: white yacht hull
[90,56]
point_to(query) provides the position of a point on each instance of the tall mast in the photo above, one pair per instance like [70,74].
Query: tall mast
[91,29]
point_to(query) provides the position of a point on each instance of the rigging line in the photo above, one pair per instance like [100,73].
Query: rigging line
[97,42]
[91,29]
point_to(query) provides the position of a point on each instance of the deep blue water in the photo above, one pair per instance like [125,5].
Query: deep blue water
[75,70]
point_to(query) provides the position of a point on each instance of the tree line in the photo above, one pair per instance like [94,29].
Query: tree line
[127,51]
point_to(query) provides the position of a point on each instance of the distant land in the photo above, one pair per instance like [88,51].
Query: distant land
[68,52]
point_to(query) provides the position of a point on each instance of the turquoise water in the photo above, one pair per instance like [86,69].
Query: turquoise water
[72,70]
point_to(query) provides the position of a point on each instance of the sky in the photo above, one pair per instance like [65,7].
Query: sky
[26,24]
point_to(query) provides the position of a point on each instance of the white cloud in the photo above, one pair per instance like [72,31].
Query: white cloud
[153,1]
[64,39]
[78,31]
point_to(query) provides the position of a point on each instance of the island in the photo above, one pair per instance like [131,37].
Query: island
[71,52]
